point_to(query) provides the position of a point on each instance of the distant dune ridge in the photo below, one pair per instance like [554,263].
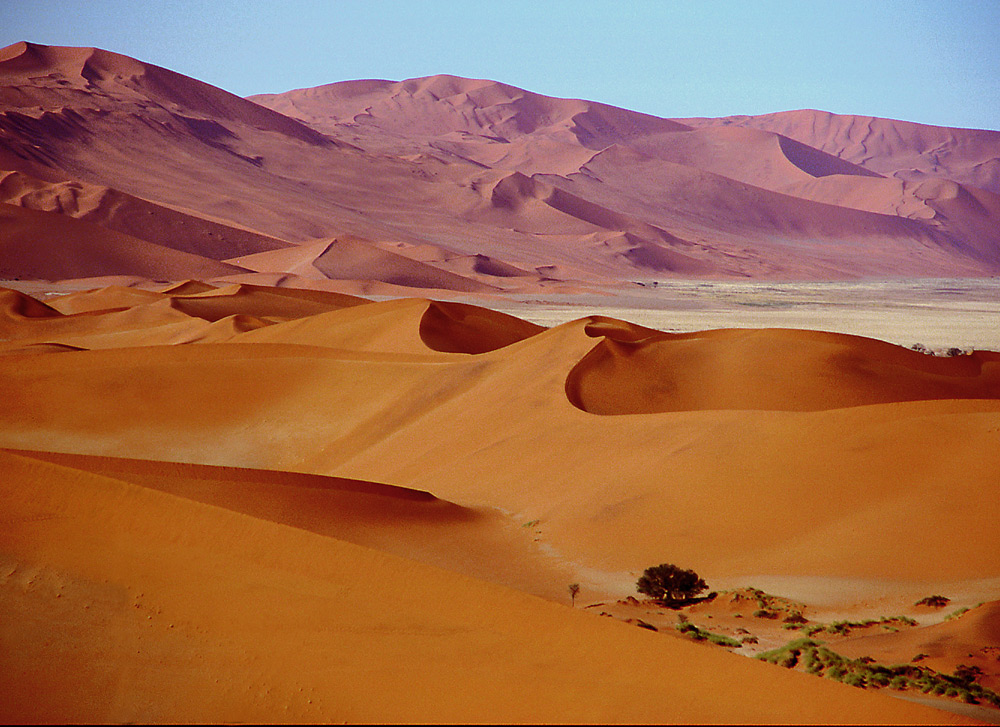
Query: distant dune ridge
[542,192]
[253,469]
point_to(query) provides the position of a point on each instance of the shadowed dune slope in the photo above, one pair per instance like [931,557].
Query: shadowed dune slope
[461,328]
[636,371]
[142,580]
[133,216]
[51,246]
[18,307]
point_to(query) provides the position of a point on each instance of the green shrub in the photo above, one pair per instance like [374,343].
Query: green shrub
[689,629]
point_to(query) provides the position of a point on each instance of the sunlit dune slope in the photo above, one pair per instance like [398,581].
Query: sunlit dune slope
[635,371]
[117,317]
[174,610]
[768,468]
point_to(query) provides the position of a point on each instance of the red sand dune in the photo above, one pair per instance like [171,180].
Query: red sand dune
[889,147]
[46,245]
[514,181]
[130,215]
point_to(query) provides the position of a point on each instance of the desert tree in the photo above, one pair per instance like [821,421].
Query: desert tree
[574,589]
[669,584]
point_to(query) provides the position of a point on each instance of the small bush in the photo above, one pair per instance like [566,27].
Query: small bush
[934,601]
[689,629]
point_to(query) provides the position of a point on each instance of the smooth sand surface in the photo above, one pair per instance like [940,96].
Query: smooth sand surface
[175,611]
[185,584]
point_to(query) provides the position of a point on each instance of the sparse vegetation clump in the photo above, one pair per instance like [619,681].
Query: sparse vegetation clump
[958,613]
[889,623]
[670,585]
[689,629]
[815,658]
[934,601]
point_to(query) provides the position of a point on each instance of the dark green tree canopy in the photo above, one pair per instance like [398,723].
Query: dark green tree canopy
[667,583]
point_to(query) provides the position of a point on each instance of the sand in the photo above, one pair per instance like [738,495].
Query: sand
[392,396]
[315,404]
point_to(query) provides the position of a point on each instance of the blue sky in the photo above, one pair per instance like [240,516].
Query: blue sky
[930,61]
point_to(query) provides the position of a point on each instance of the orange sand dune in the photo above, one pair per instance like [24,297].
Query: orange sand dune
[403,326]
[784,370]
[143,579]
[244,299]
[104,299]
[409,523]
[691,484]
[15,326]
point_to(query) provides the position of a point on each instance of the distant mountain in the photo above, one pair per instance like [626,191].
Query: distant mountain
[472,185]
